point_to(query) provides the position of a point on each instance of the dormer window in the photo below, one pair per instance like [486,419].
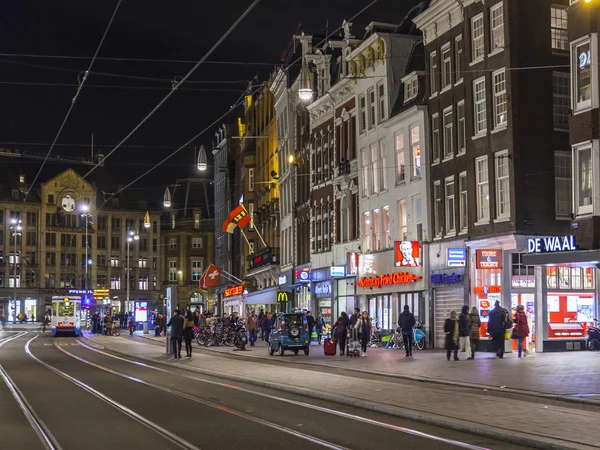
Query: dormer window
[411,88]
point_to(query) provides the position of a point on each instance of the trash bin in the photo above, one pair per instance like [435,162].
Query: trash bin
[146,327]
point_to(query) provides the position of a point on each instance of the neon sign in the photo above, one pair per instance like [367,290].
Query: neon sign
[485,290]
[236,290]
[551,244]
[388,279]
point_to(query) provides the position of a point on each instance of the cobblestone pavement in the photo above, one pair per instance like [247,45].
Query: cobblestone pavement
[453,406]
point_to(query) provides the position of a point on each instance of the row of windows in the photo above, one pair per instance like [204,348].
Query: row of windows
[372,108]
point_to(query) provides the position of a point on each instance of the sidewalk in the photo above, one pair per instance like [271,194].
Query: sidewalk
[543,426]
[573,374]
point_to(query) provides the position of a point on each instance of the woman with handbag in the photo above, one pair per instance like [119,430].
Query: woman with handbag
[451,330]
[521,329]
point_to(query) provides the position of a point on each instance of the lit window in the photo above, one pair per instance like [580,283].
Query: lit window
[480,106]
[450,206]
[383,159]
[464,206]
[400,161]
[477,44]
[448,133]
[386,226]
[483,189]
[461,130]
[559,28]
[143,283]
[142,263]
[435,132]
[365,172]
[367,230]
[446,66]
[582,66]
[115,282]
[173,271]
[562,184]
[415,148]
[377,229]
[502,185]
[497,25]
[197,242]
[196,221]
[561,93]
[500,108]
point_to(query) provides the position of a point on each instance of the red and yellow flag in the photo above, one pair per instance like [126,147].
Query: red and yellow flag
[239,217]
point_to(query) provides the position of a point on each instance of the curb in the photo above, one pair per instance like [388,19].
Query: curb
[379,408]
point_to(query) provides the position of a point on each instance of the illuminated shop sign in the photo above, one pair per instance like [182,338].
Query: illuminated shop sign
[441,278]
[407,254]
[323,289]
[283,296]
[236,290]
[80,291]
[456,257]
[303,275]
[489,259]
[551,244]
[282,279]
[388,279]
[367,264]
[337,271]
[485,290]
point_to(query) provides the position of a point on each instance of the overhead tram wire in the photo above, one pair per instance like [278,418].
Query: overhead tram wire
[186,145]
[79,88]
[176,86]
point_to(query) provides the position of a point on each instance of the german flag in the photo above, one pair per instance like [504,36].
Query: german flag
[239,217]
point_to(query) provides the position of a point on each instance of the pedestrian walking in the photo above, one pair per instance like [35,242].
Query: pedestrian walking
[464,331]
[500,320]
[341,331]
[310,321]
[46,322]
[451,330]
[188,333]
[475,325]
[363,325]
[521,329]
[108,324]
[320,326]
[268,325]
[176,324]
[252,327]
[261,320]
[354,317]
[406,322]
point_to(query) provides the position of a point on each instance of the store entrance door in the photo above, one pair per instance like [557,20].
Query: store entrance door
[528,301]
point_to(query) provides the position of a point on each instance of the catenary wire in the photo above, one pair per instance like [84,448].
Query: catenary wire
[80,87]
[183,80]
[107,86]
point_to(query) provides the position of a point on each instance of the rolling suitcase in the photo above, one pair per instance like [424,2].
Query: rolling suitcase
[329,346]
[353,346]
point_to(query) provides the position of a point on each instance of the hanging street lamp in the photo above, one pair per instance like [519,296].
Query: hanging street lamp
[167,198]
[147,223]
[202,162]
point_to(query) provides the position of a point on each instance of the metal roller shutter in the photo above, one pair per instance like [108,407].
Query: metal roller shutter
[446,300]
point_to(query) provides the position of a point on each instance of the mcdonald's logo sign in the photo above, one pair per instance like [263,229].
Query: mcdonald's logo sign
[283,296]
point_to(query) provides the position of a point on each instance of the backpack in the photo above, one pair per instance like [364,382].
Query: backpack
[508,322]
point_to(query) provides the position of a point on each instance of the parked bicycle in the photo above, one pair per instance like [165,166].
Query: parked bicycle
[419,338]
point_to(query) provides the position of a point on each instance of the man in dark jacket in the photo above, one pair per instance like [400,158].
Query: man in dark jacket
[354,318]
[310,321]
[176,324]
[268,325]
[496,328]
[406,322]
[464,331]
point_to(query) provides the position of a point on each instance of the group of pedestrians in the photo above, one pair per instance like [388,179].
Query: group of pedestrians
[463,331]
[182,329]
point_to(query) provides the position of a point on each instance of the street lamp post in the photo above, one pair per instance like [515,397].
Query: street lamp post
[86,216]
[16,231]
[132,235]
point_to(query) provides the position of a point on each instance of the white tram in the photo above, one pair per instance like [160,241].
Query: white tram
[66,316]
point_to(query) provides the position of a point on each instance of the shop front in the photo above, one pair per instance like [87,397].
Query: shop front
[389,280]
[323,294]
[343,279]
[285,282]
[301,288]
[265,300]
[233,300]
[568,291]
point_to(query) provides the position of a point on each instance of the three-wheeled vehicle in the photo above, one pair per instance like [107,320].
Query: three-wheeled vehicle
[292,334]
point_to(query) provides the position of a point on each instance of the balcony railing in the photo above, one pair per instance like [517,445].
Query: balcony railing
[265,257]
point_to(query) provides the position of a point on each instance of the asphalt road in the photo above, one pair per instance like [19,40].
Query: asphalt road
[109,402]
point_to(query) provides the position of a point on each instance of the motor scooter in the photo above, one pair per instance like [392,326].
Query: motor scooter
[132,325]
[592,340]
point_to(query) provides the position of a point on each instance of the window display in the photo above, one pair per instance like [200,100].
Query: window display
[528,301]
[570,314]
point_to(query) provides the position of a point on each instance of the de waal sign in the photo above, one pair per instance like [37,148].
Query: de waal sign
[551,244]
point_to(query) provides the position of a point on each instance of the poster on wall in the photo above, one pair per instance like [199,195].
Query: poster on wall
[408,254]
[489,259]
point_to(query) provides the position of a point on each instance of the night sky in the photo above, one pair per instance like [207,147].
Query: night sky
[152,29]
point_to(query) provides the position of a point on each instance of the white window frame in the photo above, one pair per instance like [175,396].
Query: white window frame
[483,190]
[450,199]
[497,37]
[371,108]
[563,185]
[367,236]
[415,146]
[500,98]
[375,165]
[446,63]
[463,190]
[477,40]
[196,272]
[561,101]
[196,242]
[577,149]
[559,34]
[437,209]
[251,179]
[381,106]
[376,225]
[435,138]
[479,129]
[143,282]
[387,219]
[586,105]
[172,243]
[461,129]
[383,178]
[448,133]
[400,146]
[501,161]
[458,58]
[433,67]
[365,157]
[411,88]
[362,113]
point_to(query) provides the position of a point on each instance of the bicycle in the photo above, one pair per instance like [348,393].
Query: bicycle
[116,330]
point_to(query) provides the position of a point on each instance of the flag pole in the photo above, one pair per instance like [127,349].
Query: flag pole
[232,277]
[246,238]
[254,225]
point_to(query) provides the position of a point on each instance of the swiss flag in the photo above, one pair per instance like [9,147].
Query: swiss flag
[211,277]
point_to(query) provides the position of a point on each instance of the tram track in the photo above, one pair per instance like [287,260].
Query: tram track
[308,406]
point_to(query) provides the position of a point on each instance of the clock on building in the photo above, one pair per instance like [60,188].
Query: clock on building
[68,203]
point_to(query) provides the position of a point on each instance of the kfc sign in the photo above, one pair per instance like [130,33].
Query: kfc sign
[388,279]
[407,254]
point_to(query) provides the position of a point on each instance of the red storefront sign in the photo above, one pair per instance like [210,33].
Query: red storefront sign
[484,290]
[388,279]
[236,290]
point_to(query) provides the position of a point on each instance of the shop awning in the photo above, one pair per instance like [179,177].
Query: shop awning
[589,258]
